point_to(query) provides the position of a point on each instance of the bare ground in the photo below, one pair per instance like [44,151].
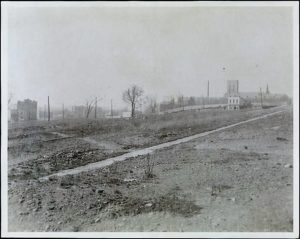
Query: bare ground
[239,179]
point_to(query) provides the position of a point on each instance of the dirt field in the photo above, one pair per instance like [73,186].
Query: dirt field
[239,179]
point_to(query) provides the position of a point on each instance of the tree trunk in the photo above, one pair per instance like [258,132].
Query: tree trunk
[132,110]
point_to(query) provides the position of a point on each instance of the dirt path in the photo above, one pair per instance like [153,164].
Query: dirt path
[150,150]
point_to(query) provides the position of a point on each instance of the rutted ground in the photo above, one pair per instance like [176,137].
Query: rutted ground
[38,151]
[236,180]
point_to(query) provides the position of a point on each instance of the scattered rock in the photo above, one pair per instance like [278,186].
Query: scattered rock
[51,208]
[97,220]
[99,190]
[245,147]
[53,178]
[36,209]
[129,179]
[91,206]
[24,213]
[288,166]
[281,139]
[148,204]
[76,229]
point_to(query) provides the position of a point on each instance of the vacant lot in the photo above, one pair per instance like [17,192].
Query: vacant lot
[44,148]
[239,179]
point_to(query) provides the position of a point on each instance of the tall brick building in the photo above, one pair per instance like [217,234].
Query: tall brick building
[27,110]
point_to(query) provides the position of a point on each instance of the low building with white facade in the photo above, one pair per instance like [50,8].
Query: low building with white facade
[233,98]
[233,103]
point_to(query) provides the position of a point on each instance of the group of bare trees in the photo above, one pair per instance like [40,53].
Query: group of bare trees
[134,95]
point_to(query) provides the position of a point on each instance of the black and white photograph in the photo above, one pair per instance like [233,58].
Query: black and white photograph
[150,119]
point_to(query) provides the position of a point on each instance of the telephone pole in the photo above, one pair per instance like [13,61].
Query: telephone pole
[111,109]
[48,109]
[207,92]
[96,108]
[63,111]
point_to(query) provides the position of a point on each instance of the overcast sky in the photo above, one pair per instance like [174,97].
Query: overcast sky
[74,54]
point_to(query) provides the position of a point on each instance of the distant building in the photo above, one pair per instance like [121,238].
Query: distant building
[233,98]
[26,110]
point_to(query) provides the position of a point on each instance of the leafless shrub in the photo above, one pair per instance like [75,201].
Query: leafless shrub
[149,168]
[55,163]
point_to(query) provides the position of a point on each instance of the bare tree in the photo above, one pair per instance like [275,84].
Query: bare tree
[132,95]
[90,104]
[89,107]
[180,101]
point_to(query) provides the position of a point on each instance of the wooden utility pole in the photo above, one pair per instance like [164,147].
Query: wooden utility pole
[111,109]
[96,108]
[261,102]
[63,111]
[208,92]
[182,103]
[48,109]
